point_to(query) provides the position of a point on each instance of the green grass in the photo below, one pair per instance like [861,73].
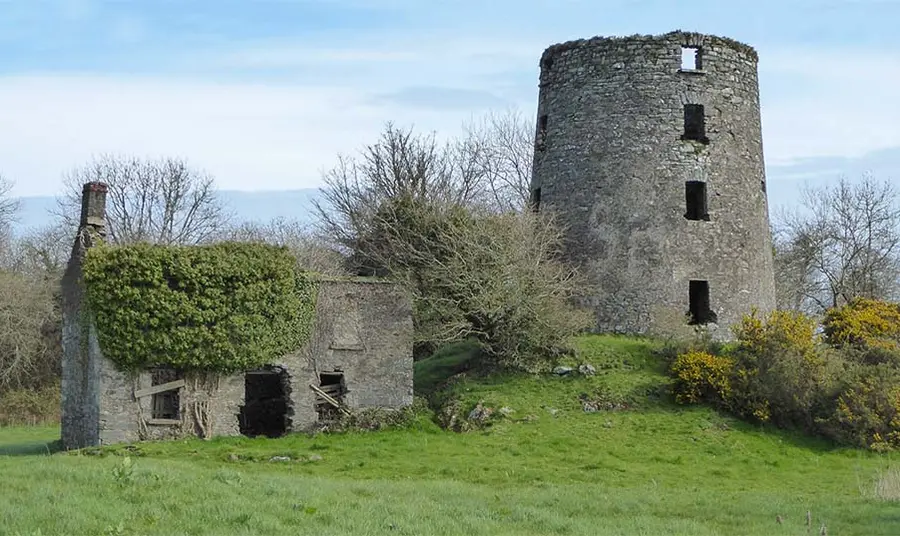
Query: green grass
[546,468]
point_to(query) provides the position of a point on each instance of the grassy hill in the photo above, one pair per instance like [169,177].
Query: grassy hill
[541,464]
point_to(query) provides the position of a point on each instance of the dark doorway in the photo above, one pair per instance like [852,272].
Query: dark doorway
[700,311]
[267,409]
[332,384]
[695,201]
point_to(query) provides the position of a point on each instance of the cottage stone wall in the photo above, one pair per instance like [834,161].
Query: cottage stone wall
[80,387]
[611,163]
[364,329]
[124,418]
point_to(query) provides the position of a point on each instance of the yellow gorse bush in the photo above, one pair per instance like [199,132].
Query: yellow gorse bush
[864,322]
[780,330]
[700,375]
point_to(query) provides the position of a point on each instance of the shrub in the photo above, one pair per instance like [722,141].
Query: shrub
[30,406]
[867,410]
[29,331]
[864,322]
[781,374]
[700,376]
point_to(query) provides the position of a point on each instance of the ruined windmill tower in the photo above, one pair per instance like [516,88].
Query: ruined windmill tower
[649,150]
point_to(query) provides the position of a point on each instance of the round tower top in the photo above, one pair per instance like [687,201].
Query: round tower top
[679,37]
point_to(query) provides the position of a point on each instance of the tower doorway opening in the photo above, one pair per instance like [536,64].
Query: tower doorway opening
[698,296]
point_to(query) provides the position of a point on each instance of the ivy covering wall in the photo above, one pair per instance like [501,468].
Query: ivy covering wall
[223,307]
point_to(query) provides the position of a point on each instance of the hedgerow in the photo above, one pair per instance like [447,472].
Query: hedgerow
[220,308]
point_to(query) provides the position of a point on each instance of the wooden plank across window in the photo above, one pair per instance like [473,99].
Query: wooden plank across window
[177,384]
[164,421]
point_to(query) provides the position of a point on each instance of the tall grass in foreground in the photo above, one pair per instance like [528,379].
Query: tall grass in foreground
[887,485]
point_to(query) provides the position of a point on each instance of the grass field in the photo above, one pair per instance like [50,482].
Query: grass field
[548,467]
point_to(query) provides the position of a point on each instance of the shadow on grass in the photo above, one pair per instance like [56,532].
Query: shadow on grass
[31,448]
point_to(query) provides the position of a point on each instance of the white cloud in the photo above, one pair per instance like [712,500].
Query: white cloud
[262,134]
[251,136]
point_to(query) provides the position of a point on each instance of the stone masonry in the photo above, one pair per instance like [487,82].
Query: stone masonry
[656,170]
[363,333]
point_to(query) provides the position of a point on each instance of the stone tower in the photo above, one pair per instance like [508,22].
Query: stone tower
[649,150]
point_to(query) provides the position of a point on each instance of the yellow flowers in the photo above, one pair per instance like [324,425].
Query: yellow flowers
[700,375]
[864,322]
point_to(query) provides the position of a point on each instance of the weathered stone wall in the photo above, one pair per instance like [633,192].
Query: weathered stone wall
[611,163]
[124,418]
[362,328]
[80,369]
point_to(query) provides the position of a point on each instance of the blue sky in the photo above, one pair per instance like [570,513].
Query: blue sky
[264,93]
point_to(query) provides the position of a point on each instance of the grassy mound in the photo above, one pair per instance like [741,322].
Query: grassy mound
[575,454]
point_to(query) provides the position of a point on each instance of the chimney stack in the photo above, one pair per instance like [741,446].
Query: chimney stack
[93,204]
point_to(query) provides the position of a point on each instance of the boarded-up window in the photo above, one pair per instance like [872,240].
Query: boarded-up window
[333,385]
[165,405]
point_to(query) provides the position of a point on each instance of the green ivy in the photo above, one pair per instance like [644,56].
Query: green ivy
[222,307]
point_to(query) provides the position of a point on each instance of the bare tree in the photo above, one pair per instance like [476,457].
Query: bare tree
[311,251]
[502,145]
[161,201]
[39,252]
[845,244]
[9,206]
[497,278]
[403,166]
[446,222]
[29,331]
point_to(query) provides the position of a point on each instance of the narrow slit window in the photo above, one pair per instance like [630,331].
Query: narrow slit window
[690,59]
[542,131]
[700,311]
[696,201]
[694,123]
[762,186]
[536,200]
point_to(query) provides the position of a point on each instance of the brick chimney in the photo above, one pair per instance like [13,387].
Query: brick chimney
[93,204]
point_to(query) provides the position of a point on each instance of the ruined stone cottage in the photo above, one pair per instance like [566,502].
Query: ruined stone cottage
[649,150]
[359,355]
